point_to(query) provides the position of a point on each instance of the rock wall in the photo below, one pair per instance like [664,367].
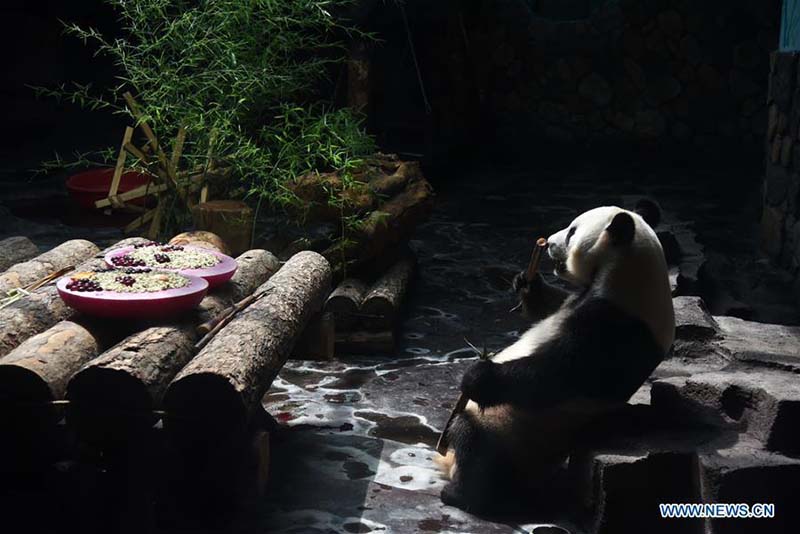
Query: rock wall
[651,71]
[780,221]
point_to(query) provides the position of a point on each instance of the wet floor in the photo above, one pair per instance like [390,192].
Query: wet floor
[358,452]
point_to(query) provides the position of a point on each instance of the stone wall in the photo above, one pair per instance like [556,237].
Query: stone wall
[780,222]
[692,72]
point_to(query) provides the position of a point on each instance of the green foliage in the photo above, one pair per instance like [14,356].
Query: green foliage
[243,77]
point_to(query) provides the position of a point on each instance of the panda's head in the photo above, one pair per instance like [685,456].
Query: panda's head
[601,238]
[617,255]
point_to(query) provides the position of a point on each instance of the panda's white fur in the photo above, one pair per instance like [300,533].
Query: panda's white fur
[636,281]
[633,278]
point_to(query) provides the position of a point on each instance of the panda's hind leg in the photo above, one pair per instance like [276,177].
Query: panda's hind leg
[482,475]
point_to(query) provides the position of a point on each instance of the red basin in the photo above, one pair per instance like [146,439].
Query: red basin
[154,305]
[88,187]
[215,276]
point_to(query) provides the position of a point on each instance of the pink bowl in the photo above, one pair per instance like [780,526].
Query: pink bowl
[215,276]
[153,305]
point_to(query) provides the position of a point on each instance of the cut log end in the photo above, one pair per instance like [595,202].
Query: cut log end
[124,400]
[345,302]
[381,306]
[25,399]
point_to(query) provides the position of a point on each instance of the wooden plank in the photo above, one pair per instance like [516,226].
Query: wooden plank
[120,166]
[136,152]
[141,191]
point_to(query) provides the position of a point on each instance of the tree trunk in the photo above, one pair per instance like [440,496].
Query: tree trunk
[117,392]
[15,250]
[381,306]
[345,303]
[220,387]
[66,254]
[36,372]
[43,308]
[229,219]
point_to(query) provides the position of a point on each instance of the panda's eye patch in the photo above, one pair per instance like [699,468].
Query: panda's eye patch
[570,233]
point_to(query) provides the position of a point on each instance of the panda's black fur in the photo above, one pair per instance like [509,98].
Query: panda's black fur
[532,408]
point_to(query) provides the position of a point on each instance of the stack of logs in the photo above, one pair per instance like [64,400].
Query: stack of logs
[367,315]
[114,381]
[388,197]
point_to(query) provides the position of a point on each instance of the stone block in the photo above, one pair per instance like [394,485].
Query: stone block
[768,345]
[775,149]
[771,230]
[763,403]
[742,473]
[620,491]
[786,151]
[783,80]
[692,320]
[776,185]
[772,122]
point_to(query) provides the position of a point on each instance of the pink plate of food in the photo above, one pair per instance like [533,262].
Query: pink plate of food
[216,268]
[132,293]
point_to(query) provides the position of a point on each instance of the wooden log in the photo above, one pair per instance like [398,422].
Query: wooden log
[201,239]
[16,249]
[64,255]
[365,343]
[230,219]
[317,340]
[222,385]
[381,306]
[345,302]
[43,308]
[36,372]
[117,392]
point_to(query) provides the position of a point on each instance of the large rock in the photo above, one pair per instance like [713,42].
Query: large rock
[783,79]
[620,492]
[692,260]
[742,473]
[768,345]
[692,319]
[764,404]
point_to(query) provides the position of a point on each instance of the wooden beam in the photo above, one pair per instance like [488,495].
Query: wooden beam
[120,166]
[141,191]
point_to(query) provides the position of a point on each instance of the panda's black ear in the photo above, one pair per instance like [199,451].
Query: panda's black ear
[621,228]
[649,211]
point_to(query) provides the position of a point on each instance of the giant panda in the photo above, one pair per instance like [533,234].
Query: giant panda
[589,352]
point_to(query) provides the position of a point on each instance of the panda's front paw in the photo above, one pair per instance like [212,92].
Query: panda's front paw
[481,384]
[520,282]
